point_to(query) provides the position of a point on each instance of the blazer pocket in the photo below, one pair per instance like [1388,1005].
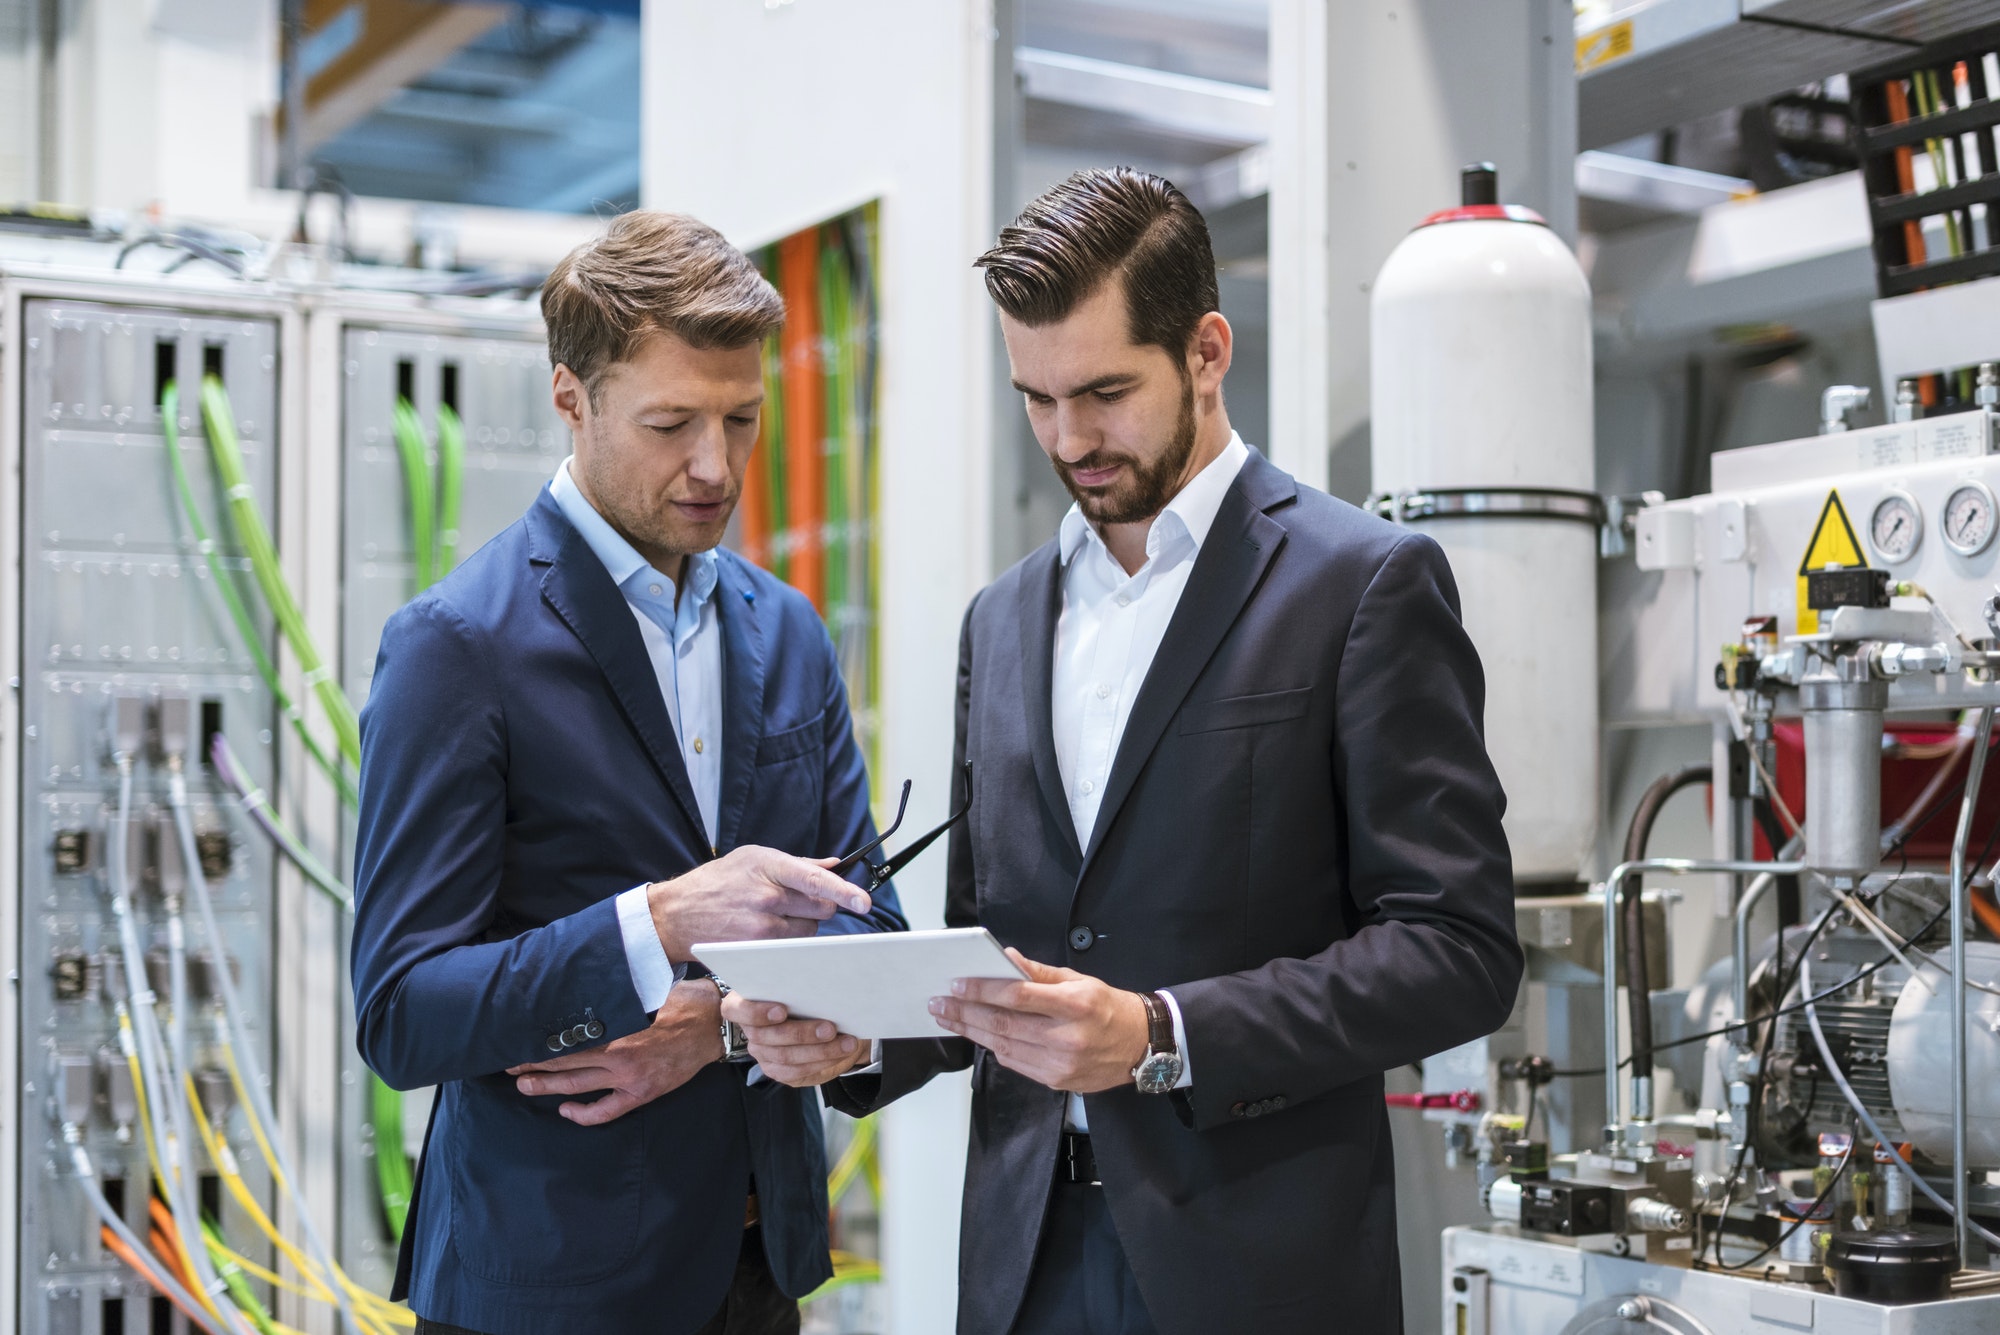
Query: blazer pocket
[792,742]
[1244,711]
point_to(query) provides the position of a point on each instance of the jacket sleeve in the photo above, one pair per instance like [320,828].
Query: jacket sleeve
[909,1064]
[1433,961]
[435,999]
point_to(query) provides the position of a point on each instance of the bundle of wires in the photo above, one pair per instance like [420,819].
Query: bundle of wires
[190,1261]
[340,762]
[809,497]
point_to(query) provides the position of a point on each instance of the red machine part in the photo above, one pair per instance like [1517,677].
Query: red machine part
[1459,1100]
[1911,755]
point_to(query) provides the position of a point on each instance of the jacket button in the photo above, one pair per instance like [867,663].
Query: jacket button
[595,1029]
[1239,1110]
[1254,1110]
[1277,1102]
[1082,938]
[555,1043]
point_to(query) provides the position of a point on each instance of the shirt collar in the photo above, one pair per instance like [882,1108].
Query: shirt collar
[1193,510]
[620,559]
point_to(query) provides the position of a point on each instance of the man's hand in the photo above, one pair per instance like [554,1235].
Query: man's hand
[1062,1029]
[686,1035]
[799,1053]
[749,894]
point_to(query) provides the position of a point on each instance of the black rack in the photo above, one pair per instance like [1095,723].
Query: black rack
[1908,108]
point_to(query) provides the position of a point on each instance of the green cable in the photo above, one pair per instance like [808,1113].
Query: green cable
[773,462]
[834,330]
[434,540]
[871,479]
[256,540]
[415,452]
[226,585]
[392,1163]
[865,1273]
[1930,101]
[451,486]
[394,1179]
[234,1280]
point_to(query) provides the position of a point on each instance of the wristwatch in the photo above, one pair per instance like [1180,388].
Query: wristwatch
[736,1043]
[1160,1069]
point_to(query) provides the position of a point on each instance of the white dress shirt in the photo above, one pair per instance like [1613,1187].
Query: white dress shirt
[1109,630]
[684,640]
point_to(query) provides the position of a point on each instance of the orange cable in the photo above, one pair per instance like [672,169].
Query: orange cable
[122,1252]
[1987,912]
[805,413]
[1898,98]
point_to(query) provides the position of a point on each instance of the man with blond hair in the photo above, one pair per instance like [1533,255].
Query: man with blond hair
[581,753]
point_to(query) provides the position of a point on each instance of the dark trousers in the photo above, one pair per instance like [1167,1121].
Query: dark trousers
[754,1305]
[1081,1284]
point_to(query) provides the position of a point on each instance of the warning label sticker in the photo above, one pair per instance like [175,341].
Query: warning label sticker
[1599,48]
[1833,546]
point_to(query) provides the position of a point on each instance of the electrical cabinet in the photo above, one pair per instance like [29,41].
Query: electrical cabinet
[117,612]
[495,376]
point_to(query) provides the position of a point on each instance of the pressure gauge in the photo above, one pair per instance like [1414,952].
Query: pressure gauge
[1896,529]
[1968,520]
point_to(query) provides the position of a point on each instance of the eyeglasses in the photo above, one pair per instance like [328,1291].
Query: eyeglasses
[879,872]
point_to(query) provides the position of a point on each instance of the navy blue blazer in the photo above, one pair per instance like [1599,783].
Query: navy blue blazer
[518,771]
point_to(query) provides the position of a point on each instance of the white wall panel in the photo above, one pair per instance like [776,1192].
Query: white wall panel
[765,118]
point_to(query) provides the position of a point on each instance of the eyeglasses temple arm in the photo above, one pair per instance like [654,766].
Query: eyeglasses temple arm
[847,864]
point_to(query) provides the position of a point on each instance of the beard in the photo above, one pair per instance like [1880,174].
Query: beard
[1148,487]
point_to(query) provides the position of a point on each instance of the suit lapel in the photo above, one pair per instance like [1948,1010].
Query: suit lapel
[742,694]
[1239,548]
[580,591]
[1041,604]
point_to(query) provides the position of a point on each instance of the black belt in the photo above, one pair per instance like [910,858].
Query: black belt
[1076,1162]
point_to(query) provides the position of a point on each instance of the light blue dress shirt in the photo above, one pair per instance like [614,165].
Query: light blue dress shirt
[684,640]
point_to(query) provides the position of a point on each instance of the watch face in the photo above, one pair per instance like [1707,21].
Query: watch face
[1158,1072]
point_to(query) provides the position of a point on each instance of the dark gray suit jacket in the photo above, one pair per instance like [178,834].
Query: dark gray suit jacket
[1300,836]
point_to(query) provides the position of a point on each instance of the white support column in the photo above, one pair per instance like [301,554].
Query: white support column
[761,119]
[1377,108]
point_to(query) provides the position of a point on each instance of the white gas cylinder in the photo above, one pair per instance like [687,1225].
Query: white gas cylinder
[1481,388]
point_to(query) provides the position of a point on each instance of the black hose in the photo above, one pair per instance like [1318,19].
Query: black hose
[1631,908]
[1791,908]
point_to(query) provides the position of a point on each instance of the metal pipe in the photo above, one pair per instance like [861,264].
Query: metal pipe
[1960,907]
[1613,1128]
[1739,944]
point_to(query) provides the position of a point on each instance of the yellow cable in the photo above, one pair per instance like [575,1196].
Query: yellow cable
[225,1167]
[378,1308]
[195,1291]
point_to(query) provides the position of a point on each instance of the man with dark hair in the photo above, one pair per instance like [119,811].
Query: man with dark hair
[1231,813]
[581,752]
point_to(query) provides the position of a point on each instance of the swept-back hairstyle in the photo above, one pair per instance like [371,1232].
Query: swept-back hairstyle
[1097,224]
[653,272]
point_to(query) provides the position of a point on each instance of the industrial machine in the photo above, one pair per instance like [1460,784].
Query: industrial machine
[1822,1161]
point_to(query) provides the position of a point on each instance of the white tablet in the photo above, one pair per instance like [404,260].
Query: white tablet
[871,984]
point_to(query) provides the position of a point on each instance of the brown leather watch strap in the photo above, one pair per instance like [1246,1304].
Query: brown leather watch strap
[1159,1023]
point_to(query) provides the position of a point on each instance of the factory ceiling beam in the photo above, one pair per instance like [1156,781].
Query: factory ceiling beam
[1202,108]
[398,42]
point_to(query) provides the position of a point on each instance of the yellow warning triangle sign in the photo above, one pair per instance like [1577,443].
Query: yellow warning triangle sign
[1833,545]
